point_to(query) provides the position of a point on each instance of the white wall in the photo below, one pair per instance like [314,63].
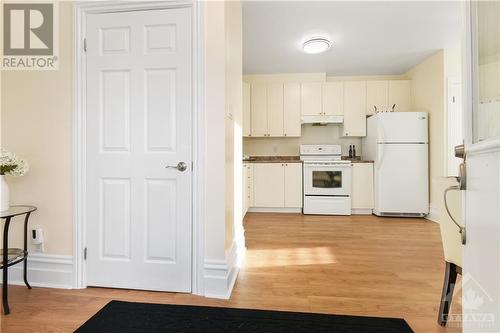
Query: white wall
[428,94]
[234,118]
[36,124]
[215,146]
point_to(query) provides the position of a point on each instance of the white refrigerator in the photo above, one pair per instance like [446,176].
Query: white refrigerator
[398,144]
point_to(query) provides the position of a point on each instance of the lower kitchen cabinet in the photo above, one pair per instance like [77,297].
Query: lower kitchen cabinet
[293,185]
[277,185]
[362,188]
[247,187]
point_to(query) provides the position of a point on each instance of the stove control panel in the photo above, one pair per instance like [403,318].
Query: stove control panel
[321,150]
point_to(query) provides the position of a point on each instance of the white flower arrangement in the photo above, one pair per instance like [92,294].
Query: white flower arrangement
[12,165]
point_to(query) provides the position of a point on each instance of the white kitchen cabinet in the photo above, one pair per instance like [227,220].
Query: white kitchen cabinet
[247,125]
[259,109]
[362,186]
[250,185]
[377,96]
[247,187]
[333,98]
[293,185]
[311,104]
[244,189]
[400,95]
[277,185]
[291,109]
[275,109]
[269,184]
[354,108]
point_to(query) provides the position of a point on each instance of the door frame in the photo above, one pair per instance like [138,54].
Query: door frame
[80,11]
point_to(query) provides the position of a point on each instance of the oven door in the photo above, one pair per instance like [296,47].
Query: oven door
[327,179]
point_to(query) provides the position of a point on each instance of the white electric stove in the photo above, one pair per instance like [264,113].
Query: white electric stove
[327,180]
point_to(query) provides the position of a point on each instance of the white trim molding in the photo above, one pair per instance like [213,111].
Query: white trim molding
[81,10]
[45,270]
[274,210]
[433,214]
[361,211]
[220,275]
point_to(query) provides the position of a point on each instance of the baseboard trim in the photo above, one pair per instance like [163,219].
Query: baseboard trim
[274,210]
[361,211]
[220,275]
[433,214]
[45,270]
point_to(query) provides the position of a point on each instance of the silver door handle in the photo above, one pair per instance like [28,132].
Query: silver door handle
[461,228]
[460,151]
[181,166]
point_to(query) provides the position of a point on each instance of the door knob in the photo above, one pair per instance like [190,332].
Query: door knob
[460,151]
[181,166]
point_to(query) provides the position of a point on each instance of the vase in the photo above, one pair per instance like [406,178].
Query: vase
[4,194]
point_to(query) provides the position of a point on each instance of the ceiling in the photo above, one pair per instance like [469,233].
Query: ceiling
[369,38]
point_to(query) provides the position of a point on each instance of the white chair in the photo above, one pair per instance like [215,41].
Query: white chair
[452,240]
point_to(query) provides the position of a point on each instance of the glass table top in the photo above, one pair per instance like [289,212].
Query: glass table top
[16,210]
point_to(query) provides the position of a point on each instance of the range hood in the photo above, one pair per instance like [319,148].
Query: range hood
[322,119]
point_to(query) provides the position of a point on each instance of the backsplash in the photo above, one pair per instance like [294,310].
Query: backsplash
[330,134]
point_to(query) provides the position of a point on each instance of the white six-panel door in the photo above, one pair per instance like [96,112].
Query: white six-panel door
[138,121]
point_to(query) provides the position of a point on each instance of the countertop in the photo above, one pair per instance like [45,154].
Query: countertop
[273,159]
[356,159]
[293,159]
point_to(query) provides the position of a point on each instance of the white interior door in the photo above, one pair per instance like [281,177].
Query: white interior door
[481,280]
[138,121]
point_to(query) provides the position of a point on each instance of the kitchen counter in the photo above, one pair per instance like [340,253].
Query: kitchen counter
[356,159]
[273,159]
[293,159]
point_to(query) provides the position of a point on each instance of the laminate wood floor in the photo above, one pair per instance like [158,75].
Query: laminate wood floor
[357,265]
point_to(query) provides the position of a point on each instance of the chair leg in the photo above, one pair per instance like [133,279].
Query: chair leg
[450,278]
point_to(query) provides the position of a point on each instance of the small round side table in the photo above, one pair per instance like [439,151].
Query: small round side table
[14,256]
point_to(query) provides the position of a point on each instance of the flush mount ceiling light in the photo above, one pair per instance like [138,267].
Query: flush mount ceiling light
[316,45]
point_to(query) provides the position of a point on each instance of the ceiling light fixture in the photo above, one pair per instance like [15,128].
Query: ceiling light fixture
[316,45]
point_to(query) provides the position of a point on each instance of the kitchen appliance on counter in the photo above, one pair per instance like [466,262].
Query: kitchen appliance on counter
[398,144]
[327,180]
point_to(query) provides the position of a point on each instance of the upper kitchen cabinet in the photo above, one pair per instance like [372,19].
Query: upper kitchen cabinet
[291,109]
[354,108]
[275,109]
[311,104]
[400,95]
[259,109]
[246,110]
[333,98]
[377,96]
